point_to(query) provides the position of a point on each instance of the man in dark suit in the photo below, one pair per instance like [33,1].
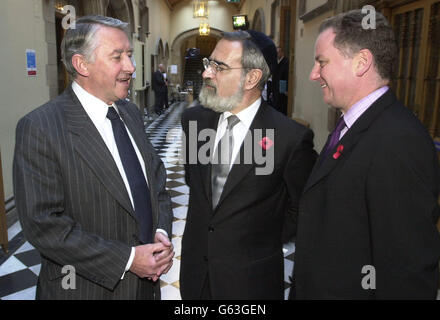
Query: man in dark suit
[82,203]
[366,225]
[232,244]
[280,82]
[160,90]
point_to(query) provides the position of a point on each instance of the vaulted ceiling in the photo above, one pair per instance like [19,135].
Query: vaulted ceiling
[173,3]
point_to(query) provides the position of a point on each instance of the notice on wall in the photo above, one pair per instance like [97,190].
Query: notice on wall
[173,69]
[133,60]
[31,63]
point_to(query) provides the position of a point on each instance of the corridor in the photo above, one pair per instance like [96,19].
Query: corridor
[20,268]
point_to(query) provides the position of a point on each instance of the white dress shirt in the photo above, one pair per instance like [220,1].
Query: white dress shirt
[97,110]
[239,131]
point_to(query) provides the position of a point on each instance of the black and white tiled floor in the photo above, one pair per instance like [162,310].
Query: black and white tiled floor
[20,268]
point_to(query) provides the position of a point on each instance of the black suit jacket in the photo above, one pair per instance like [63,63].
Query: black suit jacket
[238,245]
[158,83]
[375,205]
[72,202]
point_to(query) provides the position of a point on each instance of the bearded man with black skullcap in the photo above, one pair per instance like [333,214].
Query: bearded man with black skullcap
[239,194]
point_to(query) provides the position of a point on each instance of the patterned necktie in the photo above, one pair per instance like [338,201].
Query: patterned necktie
[135,176]
[334,137]
[220,169]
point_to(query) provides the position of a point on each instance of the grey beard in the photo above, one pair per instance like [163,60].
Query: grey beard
[212,101]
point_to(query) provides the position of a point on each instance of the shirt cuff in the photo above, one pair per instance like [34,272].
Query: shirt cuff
[130,261]
[133,250]
[164,232]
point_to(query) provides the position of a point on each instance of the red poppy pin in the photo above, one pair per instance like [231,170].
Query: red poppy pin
[338,152]
[266,143]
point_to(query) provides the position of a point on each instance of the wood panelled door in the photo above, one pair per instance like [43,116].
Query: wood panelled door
[417,27]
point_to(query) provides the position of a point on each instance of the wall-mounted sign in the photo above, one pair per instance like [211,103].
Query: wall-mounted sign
[31,63]
[173,69]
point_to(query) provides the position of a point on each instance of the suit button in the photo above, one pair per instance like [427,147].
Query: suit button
[205,258]
[211,229]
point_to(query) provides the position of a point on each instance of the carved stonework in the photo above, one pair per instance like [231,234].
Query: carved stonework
[95,7]
[307,16]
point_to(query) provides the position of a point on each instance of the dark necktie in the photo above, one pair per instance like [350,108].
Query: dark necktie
[334,137]
[135,176]
[220,170]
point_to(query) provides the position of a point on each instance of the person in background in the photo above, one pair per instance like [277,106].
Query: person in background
[280,84]
[160,89]
[165,77]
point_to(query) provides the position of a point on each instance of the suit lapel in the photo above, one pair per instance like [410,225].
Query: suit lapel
[349,140]
[205,169]
[92,149]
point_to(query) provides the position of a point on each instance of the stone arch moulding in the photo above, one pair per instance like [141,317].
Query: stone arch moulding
[259,21]
[123,11]
[176,57]
[166,52]
[177,42]
[158,48]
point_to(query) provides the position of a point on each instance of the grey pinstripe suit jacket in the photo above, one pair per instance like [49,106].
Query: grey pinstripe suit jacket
[72,202]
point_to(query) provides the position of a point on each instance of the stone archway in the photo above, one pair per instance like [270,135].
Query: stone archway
[166,52]
[159,52]
[122,10]
[177,54]
[258,22]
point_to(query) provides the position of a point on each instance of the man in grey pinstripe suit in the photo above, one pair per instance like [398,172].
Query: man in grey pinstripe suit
[73,199]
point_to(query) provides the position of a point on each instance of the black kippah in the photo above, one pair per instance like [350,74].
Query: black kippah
[267,48]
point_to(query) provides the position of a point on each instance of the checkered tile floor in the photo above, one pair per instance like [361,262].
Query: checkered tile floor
[20,268]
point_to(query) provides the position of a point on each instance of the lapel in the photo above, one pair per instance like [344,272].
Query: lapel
[205,169]
[349,140]
[239,171]
[92,149]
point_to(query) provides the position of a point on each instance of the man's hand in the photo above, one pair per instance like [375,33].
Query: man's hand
[146,263]
[165,255]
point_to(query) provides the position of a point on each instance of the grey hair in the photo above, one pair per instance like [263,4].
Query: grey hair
[252,57]
[81,39]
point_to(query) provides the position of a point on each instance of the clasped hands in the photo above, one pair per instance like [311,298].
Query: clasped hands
[154,259]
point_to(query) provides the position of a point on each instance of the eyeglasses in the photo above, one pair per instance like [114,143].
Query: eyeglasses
[215,67]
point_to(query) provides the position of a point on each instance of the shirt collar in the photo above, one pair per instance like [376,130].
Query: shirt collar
[246,115]
[362,105]
[95,108]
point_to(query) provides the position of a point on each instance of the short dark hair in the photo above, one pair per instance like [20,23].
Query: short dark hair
[252,57]
[352,36]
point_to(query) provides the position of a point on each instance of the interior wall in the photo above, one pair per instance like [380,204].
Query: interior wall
[159,28]
[251,6]
[22,26]
[309,104]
